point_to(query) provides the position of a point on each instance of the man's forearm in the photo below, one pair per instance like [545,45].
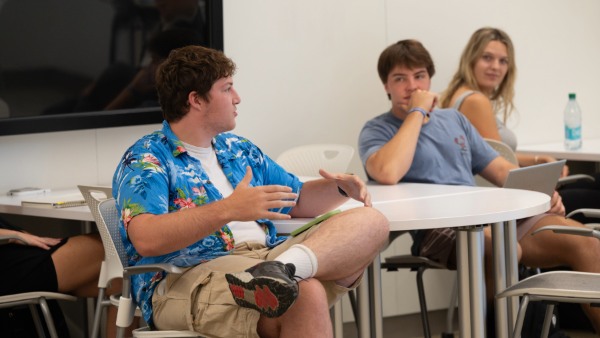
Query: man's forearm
[154,235]
[393,160]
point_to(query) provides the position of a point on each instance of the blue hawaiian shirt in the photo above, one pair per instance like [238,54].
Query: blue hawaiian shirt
[156,175]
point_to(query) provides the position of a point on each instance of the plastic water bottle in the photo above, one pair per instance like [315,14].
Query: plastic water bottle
[572,124]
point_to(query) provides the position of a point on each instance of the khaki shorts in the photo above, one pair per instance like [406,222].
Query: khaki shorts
[200,300]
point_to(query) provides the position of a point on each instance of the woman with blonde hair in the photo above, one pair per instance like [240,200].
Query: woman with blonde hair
[484,84]
[483,90]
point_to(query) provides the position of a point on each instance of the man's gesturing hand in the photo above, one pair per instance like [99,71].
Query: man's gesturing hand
[248,203]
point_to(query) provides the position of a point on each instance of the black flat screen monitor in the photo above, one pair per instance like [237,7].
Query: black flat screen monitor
[53,51]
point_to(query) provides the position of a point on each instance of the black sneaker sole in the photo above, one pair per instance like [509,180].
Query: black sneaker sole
[265,295]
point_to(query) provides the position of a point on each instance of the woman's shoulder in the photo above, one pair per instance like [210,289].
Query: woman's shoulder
[476,97]
[475,101]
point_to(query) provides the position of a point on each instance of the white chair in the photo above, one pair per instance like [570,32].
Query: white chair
[107,220]
[110,268]
[34,299]
[306,160]
[503,150]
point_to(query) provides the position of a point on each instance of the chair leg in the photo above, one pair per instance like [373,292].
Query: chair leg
[39,328]
[450,314]
[48,317]
[120,332]
[423,302]
[521,317]
[100,303]
[548,319]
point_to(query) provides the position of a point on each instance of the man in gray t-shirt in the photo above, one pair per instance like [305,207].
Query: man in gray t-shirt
[415,143]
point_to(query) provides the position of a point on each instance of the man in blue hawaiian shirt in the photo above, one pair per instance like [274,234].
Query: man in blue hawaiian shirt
[197,196]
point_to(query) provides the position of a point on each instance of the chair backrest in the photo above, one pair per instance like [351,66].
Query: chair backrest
[505,151]
[115,257]
[306,160]
[108,227]
[109,220]
[93,195]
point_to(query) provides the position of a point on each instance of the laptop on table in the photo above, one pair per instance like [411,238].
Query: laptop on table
[540,177]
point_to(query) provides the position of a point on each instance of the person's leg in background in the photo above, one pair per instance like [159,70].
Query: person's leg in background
[77,265]
[580,198]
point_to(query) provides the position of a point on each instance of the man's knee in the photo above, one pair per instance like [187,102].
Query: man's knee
[313,291]
[378,224]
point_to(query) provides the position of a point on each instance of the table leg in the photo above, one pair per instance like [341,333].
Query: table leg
[375,297]
[506,273]
[477,290]
[362,299]
[462,259]
[512,268]
[500,305]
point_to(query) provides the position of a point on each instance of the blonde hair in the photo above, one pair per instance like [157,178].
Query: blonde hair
[502,97]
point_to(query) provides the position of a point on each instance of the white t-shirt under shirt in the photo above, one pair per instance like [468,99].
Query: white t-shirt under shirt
[249,231]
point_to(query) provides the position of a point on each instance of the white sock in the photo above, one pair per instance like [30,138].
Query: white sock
[303,258]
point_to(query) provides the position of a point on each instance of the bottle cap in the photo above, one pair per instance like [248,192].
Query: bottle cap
[572,96]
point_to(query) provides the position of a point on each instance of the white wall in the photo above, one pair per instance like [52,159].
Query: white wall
[305,69]
[65,159]
[557,52]
[307,73]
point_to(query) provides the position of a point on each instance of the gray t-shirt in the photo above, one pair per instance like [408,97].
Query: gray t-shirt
[449,149]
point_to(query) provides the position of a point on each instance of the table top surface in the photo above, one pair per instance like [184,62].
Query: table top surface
[411,206]
[408,206]
[12,205]
[589,151]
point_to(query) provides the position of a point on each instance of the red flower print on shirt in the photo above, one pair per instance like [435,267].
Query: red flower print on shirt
[185,203]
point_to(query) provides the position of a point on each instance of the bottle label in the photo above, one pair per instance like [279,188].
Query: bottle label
[573,133]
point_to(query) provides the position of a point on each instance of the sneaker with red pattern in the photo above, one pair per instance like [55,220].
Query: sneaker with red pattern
[268,287]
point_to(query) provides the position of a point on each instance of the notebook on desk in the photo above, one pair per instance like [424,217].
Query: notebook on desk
[540,177]
[54,201]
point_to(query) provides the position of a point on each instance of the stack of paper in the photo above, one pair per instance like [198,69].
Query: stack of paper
[54,201]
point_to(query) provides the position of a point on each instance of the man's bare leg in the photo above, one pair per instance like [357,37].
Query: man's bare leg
[347,243]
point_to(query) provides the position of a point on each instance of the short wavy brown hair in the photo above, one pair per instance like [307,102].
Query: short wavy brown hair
[406,53]
[189,69]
